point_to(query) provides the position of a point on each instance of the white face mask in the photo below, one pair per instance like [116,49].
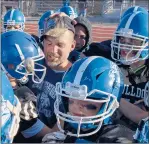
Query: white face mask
[125,61]
[129,50]
[75,92]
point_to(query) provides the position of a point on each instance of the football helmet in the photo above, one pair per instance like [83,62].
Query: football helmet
[70,11]
[14,17]
[41,22]
[66,2]
[133,10]
[133,27]
[10,111]
[21,56]
[94,79]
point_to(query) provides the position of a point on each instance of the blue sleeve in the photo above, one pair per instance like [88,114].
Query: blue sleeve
[142,132]
[33,130]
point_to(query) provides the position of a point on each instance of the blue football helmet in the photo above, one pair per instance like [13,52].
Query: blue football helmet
[42,20]
[21,56]
[10,111]
[14,17]
[133,10]
[94,79]
[66,2]
[134,27]
[70,11]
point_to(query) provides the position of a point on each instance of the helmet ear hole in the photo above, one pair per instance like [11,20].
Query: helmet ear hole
[97,76]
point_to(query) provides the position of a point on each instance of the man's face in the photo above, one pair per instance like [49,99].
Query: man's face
[57,50]
[83,108]
[80,36]
[13,27]
[126,51]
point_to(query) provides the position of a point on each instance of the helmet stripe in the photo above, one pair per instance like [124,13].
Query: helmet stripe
[20,52]
[130,19]
[82,68]
[11,14]
[136,9]
[72,10]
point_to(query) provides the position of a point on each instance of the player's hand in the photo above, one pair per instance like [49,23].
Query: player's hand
[55,137]
[28,103]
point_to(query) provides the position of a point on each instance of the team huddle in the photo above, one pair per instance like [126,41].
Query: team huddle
[60,87]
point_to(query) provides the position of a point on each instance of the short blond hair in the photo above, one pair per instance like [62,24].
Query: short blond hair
[59,27]
[56,32]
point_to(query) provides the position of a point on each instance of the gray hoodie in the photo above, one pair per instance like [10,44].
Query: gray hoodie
[76,54]
[87,25]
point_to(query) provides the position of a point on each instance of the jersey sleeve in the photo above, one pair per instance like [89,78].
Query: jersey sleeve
[142,132]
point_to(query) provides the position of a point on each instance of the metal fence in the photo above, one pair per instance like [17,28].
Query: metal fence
[38,7]
[125,4]
[119,6]
[35,8]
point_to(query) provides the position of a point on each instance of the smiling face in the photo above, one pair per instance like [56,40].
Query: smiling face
[83,108]
[126,51]
[57,49]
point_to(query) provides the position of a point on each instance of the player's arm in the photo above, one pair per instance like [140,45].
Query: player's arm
[37,131]
[131,111]
[32,129]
